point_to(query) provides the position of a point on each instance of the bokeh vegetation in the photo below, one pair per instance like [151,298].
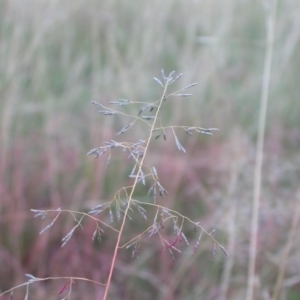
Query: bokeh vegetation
[58,56]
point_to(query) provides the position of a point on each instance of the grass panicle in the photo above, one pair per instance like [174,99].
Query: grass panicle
[125,204]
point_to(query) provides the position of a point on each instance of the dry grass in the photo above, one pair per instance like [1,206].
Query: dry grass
[58,56]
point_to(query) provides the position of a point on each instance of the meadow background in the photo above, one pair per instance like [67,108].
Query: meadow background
[58,56]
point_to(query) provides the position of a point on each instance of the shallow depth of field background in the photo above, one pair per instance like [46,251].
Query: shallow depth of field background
[58,56]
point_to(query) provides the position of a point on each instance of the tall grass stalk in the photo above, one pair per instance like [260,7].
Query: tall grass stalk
[270,24]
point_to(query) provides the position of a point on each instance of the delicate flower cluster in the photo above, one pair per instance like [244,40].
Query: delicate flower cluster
[124,205]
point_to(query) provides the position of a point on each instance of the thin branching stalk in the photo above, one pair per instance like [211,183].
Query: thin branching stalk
[130,196]
[150,114]
[51,278]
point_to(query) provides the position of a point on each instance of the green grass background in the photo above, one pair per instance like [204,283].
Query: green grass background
[58,56]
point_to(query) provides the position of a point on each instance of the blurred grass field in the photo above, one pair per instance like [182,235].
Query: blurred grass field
[58,56]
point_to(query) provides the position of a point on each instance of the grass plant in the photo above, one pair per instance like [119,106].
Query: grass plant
[271,21]
[125,204]
[58,56]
